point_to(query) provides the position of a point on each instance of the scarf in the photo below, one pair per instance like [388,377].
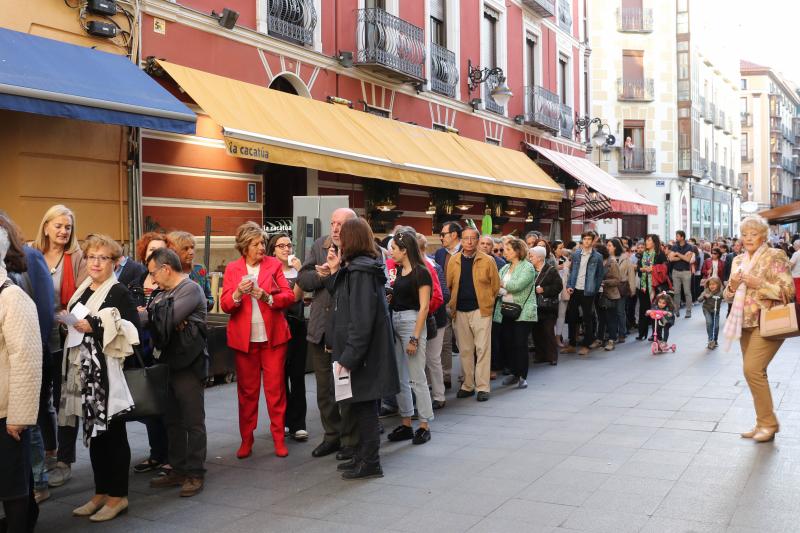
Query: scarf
[67,280]
[646,278]
[733,325]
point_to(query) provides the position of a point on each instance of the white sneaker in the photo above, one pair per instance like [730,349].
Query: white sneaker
[300,434]
[523,384]
[59,475]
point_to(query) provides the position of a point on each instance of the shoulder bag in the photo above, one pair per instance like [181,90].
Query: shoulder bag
[513,310]
[779,321]
[545,303]
[148,386]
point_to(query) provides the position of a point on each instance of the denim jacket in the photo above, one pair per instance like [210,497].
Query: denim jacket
[594,272]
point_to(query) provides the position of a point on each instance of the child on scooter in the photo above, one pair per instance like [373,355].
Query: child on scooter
[663,302]
[712,301]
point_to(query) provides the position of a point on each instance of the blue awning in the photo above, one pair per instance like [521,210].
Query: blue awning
[48,77]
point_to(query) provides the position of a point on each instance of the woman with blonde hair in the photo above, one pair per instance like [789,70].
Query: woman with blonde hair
[760,278]
[183,244]
[56,240]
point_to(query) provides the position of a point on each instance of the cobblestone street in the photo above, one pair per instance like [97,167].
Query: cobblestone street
[618,442]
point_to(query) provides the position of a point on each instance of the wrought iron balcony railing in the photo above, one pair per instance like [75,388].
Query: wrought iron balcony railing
[635,19]
[746,119]
[567,121]
[701,103]
[389,44]
[564,16]
[723,174]
[444,71]
[543,8]
[727,127]
[292,20]
[747,155]
[731,179]
[775,124]
[635,90]
[637,160]
[489,102]
[719,118]
[542,108]
[713,170]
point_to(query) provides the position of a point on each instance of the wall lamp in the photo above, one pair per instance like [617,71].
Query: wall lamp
[600,137]
[500,93]
[227,19]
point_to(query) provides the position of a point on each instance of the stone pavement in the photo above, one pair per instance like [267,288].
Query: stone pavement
[618,442]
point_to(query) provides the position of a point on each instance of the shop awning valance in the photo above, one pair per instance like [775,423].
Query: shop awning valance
[783,214]
[268,125]
[47,77]
[622,199]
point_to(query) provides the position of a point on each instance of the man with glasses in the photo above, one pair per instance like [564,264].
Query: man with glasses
[474,282]
[451,245]
[341,432]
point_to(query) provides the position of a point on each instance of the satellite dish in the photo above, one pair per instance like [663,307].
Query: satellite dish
[749,207]
[611,140]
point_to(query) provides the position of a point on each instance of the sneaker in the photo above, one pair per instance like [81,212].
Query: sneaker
[41,495]
[173,479]
[401,432]
[523,384]
[50,462]
[483,396]
[301,435]
[715,344]
[385,412]
[363,470]
[609,345]
[421,436]
[568,349]
[596,344]
[148,465]
[191,486]
[710,345]
[510,380]
[438,404]
[59,475]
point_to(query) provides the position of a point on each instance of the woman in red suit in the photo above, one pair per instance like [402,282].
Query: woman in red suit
[254,293]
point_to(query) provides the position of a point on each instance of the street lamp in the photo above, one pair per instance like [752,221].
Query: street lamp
[500,93]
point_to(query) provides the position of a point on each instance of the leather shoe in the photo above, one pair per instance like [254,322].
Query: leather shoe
[326,448]
[191,486]
[109,513]
[483,396]
[765,435]
[438,404]
[88,508]
[346,453]
[464,393]
[169,480]
[347,465]
[749,434]
[363,470]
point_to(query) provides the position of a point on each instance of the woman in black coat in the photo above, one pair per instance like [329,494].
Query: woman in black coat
[360,338]
[548,289]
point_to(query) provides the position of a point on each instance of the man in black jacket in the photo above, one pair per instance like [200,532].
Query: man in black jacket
[341,433]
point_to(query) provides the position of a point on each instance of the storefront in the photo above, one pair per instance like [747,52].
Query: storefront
[711,212]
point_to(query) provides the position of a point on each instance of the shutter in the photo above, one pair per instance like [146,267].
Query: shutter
[438,9]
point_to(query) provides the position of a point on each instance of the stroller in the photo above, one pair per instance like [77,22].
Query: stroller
[658,346]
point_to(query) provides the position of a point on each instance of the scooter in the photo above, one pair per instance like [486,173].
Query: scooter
[658,346]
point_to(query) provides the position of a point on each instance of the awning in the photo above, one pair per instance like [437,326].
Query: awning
[268,125]
[620,197]
[783,214]
[48,77]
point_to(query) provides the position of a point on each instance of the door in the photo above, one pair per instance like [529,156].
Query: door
[634,226]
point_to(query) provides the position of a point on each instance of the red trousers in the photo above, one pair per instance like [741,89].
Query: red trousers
[266,361]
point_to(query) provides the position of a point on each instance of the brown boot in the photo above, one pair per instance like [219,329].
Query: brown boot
[172,479]
[568,349]
[191,486]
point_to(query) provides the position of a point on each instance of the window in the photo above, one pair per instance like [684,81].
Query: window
[491,140]
[744,144]
[380,4]
[438,28]
[563,72]
[295,25]
[743,85]
[530,50]
[489,56]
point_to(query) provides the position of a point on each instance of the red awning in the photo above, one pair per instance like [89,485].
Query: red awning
[783,214]
[622,198]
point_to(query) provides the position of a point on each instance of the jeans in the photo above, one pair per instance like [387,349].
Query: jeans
[613,326]
[37,459]
[411,368]
[712,324]
[682,283]
[622,317]
[433,364]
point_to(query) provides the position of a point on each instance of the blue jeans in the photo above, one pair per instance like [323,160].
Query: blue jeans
[712,324]
[411,367]
[37,459]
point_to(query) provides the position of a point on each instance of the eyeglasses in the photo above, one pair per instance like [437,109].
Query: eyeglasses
[154,272]
[284,245]
[97,258]
[496,251]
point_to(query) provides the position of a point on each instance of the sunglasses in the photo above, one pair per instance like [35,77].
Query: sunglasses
[496,251]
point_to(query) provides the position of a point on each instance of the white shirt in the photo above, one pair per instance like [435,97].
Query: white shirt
[580,283]
[507,296]
[796,267]
[714,272]
[258,331]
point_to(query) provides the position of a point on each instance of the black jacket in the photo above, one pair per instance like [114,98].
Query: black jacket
[360,330]
[549,280]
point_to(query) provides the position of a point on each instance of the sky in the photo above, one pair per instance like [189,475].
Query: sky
[767,32]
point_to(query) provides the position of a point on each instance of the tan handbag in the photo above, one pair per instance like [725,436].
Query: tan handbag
[779,321]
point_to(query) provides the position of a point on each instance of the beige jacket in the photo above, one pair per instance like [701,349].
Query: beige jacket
[20,356]
[627,272]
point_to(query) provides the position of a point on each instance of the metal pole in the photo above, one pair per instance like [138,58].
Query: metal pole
[207,245]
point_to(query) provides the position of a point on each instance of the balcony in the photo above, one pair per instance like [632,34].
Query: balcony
[723,174]
[796,128]
[565,16]
[444,71]
[566,121]
[731,180]
[292,20]
[712,116]
[635,90]
[775,124]
[708,111]
[489,102]
[703,164]
[543,109]
[637,160]
[747,155]
[727,126]
[713,171]
[746,119]
[389,45]
[543,8]
[635,20]
[719,119]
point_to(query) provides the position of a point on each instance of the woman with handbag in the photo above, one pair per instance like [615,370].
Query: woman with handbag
[280,246]
[548,289]
[410,301]
[94,388]
[652,256]
[611,294]
[760,279]
[515,310]
[255,293]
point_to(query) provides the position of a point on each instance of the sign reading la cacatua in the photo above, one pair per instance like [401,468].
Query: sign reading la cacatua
[250,150]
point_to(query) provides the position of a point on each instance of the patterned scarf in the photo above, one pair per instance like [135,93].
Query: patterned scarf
[646,278]
[733,325]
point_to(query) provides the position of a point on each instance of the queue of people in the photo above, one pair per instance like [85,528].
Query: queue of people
[385,319]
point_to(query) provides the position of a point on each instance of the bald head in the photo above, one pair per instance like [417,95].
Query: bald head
[339,217]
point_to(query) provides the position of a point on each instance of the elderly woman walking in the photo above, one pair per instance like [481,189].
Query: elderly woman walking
[760,278]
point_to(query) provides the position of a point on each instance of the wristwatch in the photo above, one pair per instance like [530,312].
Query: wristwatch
[413,340]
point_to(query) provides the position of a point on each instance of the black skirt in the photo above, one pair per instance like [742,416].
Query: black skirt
[15,464]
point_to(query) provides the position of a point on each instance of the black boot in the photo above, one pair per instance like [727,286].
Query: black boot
[347,465]
[363,471]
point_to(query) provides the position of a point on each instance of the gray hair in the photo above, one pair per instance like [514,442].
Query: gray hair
[540,251]
[757,223]
[165,256]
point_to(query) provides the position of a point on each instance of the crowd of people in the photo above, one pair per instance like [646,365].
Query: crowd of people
[385,319]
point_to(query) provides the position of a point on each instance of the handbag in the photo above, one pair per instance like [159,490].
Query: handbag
[148,386]
[546,303]
[779,321]
[430,325]
[512,310]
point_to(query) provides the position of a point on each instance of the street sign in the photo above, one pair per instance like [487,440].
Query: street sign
[660,183]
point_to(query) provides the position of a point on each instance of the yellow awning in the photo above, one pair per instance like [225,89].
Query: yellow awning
[268,125]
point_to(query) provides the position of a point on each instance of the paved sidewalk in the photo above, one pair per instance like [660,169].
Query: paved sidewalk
[618,442]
